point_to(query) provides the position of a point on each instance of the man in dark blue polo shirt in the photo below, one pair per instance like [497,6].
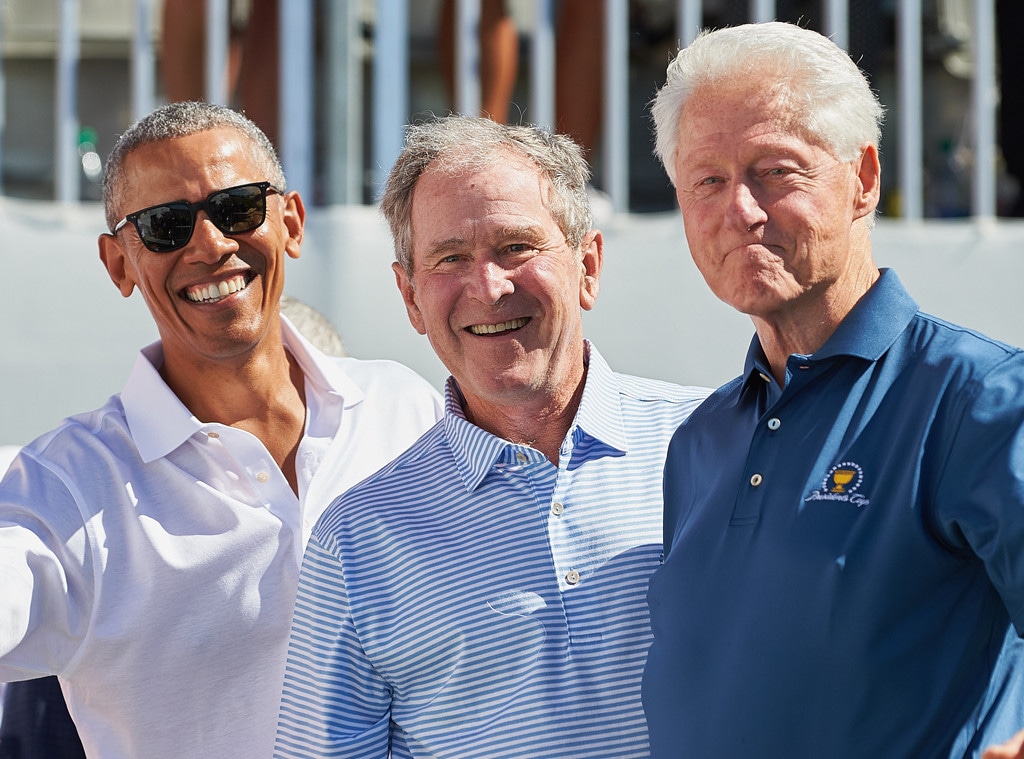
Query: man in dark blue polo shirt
[844,523]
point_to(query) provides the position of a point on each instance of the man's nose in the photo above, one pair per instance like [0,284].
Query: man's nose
[208,243]
[490,282]
[745,208]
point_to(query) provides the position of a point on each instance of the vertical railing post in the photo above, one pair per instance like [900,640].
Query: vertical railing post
[390,86]
[984,96]
[542,67]
[3,99]
[688,21]
[616,104]
[910,101]
[295,108]
[66,116]
[344,87]
[217,33]
[142,65]
[837,22]
[467,57]
[762,10]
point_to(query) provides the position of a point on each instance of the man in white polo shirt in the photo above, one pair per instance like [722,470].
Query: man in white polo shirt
[149,550]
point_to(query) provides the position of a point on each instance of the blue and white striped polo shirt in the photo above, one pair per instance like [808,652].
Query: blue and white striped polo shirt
[473,600]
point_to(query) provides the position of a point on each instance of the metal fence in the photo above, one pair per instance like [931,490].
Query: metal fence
[361,125]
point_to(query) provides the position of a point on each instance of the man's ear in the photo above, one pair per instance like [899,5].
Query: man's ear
[409,296]
[592,259]
[114,258]
[294,223]
[869,177]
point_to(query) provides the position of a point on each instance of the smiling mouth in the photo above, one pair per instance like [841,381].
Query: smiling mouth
[494,329]
[219,291]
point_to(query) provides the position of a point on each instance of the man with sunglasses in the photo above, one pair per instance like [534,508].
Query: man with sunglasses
[149,550]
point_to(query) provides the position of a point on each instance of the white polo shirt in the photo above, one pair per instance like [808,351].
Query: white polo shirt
[151,560]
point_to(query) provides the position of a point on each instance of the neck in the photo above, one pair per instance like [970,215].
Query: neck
[263,395]
[541,424]
[804,329]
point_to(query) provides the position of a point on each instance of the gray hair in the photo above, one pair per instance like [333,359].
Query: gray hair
[181,120]
[457,144]
[831,98]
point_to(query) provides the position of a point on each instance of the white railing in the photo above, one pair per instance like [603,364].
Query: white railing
[342,25]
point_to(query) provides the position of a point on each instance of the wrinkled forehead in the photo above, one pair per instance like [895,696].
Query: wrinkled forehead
[459,203]
[763,103]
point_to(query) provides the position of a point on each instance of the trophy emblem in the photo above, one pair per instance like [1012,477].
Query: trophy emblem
[842,477]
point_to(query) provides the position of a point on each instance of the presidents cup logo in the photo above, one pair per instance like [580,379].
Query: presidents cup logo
[841,484]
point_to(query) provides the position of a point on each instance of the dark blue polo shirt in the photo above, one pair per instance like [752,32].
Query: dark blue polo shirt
[845,556]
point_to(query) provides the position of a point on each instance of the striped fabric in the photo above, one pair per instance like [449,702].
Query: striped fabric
[473,600]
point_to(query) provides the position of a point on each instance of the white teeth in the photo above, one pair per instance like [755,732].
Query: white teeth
[212,293]
[491,329]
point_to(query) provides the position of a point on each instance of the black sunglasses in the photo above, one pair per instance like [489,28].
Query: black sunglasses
[169,226]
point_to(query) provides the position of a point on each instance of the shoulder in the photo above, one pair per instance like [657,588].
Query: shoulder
[647,389]
[420,473]
[390,380]
[652,395]
[723,395]
[102,432]
[84,454]
[962,363]
[370,373]
[936,339]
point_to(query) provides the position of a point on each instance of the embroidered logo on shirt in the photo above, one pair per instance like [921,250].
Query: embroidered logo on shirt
[841,484]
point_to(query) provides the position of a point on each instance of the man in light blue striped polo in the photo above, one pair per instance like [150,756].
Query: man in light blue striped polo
[484,594]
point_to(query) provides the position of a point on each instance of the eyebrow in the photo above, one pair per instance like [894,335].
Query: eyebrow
[530,232]
[444,246]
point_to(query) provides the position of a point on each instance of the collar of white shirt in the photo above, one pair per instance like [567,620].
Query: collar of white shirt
[159,422]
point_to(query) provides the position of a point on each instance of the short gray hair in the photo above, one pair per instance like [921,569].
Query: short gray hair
[456,144]
[181,120]
[831,97]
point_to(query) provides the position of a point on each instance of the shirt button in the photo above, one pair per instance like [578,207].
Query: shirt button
[572,577]
[262,477]
[213,435]
[557,509]
[764,376]
[756,480]
[774,423]
[521,457]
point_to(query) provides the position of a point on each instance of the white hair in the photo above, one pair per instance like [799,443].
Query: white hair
[829,96]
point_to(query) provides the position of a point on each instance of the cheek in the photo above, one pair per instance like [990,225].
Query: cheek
[699,242]
[434,303]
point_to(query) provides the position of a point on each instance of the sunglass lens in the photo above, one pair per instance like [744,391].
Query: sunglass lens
[165,228]
[239,209]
